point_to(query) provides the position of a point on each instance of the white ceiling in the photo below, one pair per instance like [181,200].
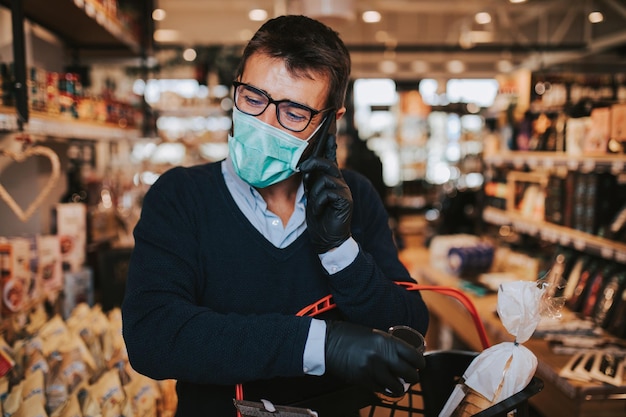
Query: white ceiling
[538,34]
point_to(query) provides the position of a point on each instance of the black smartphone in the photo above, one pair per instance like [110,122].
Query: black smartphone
[329,127]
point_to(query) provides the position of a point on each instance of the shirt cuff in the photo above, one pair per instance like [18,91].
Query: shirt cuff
[337,259]
[313,361]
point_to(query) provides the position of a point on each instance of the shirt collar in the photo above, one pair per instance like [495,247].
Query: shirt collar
[248,192]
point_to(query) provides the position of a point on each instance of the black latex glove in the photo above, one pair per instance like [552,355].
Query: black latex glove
[370,358]
[329,200]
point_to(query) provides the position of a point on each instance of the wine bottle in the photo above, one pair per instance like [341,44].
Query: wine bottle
[76,191]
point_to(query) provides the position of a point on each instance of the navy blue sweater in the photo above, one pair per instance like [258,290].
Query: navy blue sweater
[211,303]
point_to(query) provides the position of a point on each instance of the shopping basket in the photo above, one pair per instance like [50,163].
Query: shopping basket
[443,370]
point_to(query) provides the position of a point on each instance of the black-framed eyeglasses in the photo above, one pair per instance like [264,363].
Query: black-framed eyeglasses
[291,115]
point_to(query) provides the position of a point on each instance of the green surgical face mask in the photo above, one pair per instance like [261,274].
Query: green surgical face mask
[262,154]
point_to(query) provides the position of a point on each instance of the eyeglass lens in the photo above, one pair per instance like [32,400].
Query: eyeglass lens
[252,101]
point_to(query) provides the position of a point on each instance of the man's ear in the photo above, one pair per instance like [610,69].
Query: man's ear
[341,112]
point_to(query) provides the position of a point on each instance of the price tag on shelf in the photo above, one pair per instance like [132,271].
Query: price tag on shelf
[549,235]
[90,10]
[572,164]
[580,244]
[589,165]
[101,18]
[606,253]
[620,256]
[532,229]
[548,163]
[617,167]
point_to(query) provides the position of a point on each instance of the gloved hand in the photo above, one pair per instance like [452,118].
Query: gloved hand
[370,357]
[329,200]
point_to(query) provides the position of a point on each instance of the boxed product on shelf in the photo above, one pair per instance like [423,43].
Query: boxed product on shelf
[597,138]
[16,274]
[555,199]
[78,288]
[618,122]
[48,265]
[461,254]
[593,288]
[527,194]
[575,134]
[71,227]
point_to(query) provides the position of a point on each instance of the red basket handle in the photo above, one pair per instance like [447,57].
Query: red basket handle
[326,303]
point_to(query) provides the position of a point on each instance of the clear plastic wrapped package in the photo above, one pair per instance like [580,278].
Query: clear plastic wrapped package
[508,367]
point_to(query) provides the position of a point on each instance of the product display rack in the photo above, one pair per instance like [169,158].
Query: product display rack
[553,233]
[614,163]
[42,124]
[91,26]
[547,231]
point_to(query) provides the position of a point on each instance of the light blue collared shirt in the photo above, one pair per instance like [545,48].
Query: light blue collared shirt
[269,225]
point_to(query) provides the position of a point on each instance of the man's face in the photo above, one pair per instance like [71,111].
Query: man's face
[271,76]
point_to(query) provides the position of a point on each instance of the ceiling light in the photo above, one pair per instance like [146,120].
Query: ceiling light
[257,15]
[371,16]
[482,18]
[158,15]
[189,54]
[517,1]
[596,17]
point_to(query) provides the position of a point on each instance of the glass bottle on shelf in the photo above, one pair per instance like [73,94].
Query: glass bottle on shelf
[76,191]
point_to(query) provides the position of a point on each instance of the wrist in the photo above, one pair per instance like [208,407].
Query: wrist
[337,259]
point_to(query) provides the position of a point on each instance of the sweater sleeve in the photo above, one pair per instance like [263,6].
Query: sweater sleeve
[167,332]
[365,292]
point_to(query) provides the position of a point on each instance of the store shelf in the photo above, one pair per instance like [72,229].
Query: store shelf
[50,126]
[548,160]
[80,24]
[553,233]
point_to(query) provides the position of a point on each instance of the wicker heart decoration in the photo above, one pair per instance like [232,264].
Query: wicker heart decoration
[24,215]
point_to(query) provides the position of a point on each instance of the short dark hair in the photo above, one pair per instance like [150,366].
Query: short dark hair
[306,45]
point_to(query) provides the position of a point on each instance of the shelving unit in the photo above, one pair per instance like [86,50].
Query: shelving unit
[548,160]
[550,232]
[553,233]
[46,125]
[81,24]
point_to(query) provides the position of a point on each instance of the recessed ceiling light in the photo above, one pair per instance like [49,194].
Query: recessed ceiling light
[158,15]
[257,15]
[371,16]
[596,17]
[482,18]
[189,54]
[517,1]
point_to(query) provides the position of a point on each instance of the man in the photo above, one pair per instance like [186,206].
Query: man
[227,253]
